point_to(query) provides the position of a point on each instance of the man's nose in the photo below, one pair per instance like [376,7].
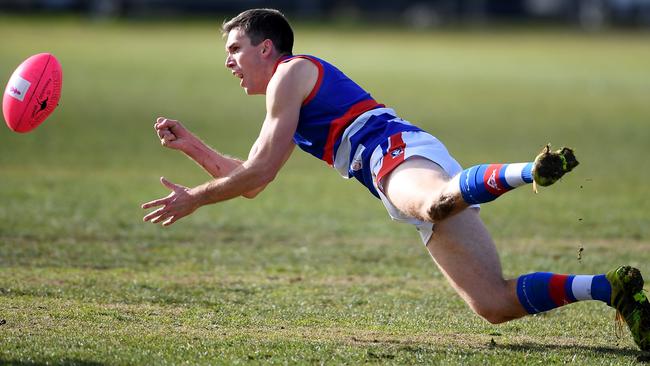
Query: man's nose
[229,62]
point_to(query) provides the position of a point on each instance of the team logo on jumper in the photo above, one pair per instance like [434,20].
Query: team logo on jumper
[17,87]
[356,165]
[397,152]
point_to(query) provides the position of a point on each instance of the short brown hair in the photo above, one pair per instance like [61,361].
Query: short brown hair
[261,24]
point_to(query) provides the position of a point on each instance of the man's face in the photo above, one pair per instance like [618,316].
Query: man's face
[245,61]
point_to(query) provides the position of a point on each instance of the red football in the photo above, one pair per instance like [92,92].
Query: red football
[32,93]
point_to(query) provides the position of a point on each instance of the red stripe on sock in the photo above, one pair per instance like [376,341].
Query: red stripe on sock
[556,289]
[491,180]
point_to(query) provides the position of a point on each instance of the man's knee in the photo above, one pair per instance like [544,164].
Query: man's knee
[495,304]
[493,314]
[498,308]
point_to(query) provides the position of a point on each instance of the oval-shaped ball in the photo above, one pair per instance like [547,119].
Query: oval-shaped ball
[33,92]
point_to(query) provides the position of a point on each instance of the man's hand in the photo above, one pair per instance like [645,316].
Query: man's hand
[176,205]
[173,134]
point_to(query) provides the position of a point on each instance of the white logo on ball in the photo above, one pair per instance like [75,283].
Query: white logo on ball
[17,87]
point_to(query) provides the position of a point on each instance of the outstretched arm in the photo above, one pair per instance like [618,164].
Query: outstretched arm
[175,136]
[285,93]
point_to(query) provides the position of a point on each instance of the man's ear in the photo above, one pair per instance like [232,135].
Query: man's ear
[267,47]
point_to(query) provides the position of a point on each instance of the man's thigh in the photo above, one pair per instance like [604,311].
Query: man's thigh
[465,252]
[461,243]
[411,186]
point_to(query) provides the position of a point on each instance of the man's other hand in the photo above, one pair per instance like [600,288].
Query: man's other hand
[173,134]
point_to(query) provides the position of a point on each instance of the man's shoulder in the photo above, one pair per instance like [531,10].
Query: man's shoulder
[298,66]
[297,76]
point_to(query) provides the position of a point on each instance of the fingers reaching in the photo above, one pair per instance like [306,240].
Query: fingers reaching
[170,221]
[170,185]
[175,206]
[155,203]
[162,217]
[164,200]
[153,215]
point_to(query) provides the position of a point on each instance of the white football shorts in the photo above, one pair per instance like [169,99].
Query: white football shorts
[401,147]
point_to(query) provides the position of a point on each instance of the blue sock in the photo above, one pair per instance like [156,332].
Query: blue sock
[484,183]
[543,291]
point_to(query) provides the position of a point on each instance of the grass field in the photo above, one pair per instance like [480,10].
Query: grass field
[312,271]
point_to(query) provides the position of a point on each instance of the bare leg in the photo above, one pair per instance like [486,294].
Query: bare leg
[438,196]
[420,188]
[461,245]
[465,253]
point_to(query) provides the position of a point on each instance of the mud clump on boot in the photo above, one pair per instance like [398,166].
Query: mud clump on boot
[550,166]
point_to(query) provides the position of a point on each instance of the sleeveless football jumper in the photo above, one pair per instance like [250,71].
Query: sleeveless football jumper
[332,106]
[341,124]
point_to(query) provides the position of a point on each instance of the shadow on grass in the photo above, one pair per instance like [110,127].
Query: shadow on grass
[545,348]
[62,362]
[386,349]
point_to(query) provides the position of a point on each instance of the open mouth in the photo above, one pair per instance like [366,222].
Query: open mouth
[240,76]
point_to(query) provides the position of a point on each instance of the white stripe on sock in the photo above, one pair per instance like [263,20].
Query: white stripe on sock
[581,287]
[513,174]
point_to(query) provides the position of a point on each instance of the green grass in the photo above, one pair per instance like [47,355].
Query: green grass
[312,271]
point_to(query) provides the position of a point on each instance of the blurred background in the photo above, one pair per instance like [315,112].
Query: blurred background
[587,14]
